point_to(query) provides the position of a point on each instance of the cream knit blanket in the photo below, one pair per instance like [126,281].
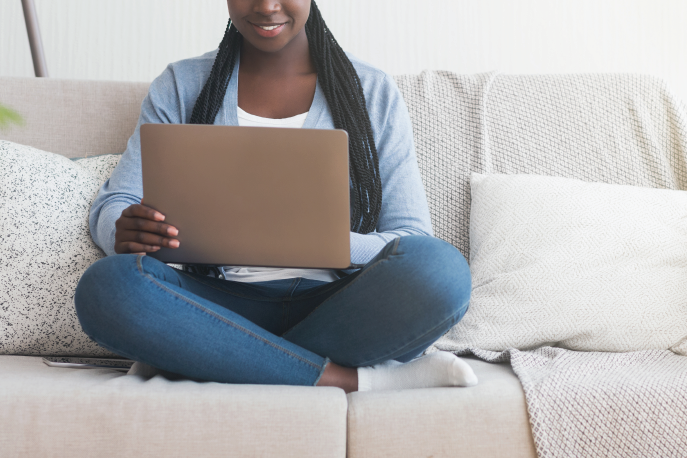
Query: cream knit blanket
[623,129]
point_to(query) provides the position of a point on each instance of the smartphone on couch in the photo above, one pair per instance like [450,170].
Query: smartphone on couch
[88,363]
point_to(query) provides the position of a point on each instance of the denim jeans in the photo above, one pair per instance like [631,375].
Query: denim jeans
[278,332]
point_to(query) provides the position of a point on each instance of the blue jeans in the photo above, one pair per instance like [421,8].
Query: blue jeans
[278,332]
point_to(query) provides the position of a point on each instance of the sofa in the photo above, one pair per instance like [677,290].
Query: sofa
[462,123]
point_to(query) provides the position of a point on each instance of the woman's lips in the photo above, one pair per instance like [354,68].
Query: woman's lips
[275,30]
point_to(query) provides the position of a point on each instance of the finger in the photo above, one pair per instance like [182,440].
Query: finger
[144,225]
[135,248]
[147,238]
[142,211]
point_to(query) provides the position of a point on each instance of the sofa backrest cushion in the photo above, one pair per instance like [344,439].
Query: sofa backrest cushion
[72,118]
[622,129]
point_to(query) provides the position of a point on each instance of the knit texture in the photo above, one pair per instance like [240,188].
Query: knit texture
[583,266]
[594,404]
[620,129]
[171,99]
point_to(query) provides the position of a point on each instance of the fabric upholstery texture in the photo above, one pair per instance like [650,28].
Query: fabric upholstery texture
[622,129]
[617,129]
[82,118]
[602,404]
[100,166]
[487,420]
[56,412]
[45,246]
[583,266]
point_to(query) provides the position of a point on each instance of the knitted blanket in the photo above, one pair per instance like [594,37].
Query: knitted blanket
[602,404]
[622,129]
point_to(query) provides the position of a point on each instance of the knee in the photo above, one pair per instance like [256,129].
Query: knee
[98,292]
[440,272]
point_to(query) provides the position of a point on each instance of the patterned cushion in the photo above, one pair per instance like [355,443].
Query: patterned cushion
[45,246]
[583,266]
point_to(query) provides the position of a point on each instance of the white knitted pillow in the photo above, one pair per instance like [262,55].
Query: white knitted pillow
[584,266]
[45,246]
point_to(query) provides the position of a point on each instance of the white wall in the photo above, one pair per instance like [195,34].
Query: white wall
[135,39]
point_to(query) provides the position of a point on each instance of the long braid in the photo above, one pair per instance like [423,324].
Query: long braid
[210,99]
[344,94]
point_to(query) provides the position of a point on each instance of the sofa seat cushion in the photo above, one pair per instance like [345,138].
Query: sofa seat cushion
[487,420]
[51,412]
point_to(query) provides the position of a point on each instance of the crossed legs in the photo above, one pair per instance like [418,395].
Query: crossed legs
[296,332]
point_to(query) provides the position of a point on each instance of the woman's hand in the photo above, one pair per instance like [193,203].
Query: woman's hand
[140,230]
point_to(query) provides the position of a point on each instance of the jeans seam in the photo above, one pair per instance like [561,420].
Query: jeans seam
[229,292]
[324,366]
[331,285]
[286,303]
[345,287]
[419,337]
[394,252]
[292,287]
[325,289]
[108,347]
[222,319]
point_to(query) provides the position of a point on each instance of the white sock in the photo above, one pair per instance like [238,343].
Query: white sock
[432,370]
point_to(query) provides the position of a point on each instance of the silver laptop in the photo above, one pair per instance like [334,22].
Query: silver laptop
[250,196]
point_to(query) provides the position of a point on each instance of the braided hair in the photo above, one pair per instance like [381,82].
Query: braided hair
[344,94]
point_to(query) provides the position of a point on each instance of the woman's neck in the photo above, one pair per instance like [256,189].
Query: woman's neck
[293,59]
[278,84]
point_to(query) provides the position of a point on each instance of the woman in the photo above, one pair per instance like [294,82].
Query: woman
[279,65]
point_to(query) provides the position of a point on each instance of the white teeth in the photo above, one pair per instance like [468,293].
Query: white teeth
[268,27]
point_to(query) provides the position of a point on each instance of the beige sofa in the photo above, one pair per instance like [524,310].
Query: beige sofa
[485,123]
[49,411]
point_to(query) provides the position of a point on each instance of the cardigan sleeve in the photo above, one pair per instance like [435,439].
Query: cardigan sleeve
[404,204]
[125,187]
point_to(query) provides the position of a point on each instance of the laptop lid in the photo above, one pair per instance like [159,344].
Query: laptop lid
[250,196]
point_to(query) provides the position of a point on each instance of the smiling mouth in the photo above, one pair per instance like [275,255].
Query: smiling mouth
[268,30]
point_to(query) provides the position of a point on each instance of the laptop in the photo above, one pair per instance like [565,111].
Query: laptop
[250,196]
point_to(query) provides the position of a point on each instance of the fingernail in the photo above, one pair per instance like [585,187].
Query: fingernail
[159,216]
[174,244]
[172,231]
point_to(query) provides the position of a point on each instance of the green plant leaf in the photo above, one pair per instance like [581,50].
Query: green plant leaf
[9,116]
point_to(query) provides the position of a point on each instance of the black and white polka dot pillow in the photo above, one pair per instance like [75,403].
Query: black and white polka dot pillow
[45,246]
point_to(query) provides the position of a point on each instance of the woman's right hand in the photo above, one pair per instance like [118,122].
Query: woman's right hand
[140,230]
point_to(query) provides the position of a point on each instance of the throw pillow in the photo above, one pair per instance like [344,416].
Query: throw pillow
[584,266]
[100,167]
[45,246]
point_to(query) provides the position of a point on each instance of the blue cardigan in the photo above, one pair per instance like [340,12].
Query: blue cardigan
[171,99]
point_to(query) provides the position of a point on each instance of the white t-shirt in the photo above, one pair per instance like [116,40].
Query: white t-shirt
[255,274]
